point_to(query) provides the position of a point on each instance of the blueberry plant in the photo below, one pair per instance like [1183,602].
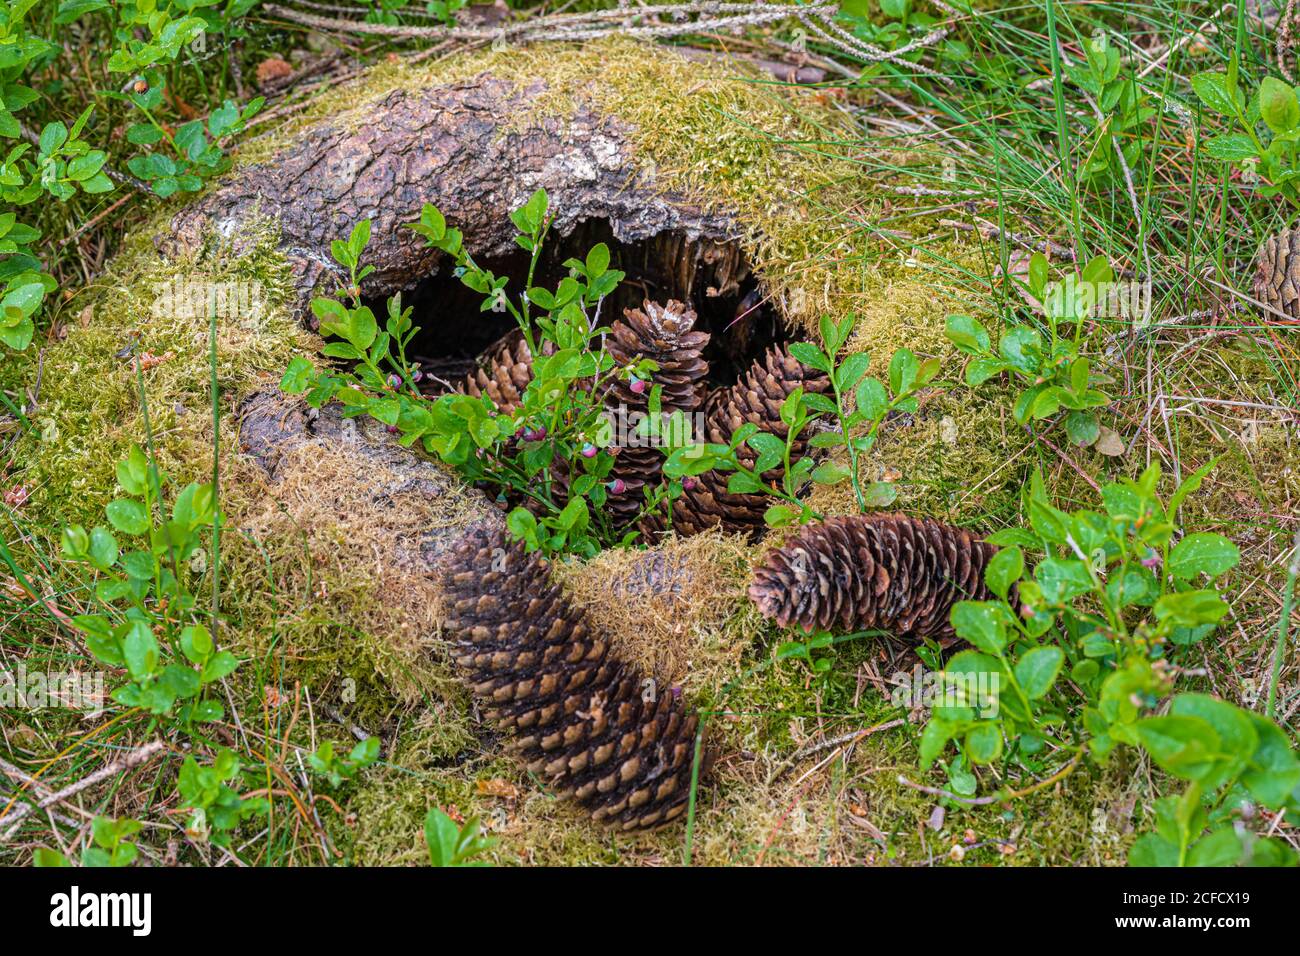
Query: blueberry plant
[110,846]
[151,622]
[1078,657]
[1047,364]
[552,451]
[451,844]
[153,46]
[1265,129]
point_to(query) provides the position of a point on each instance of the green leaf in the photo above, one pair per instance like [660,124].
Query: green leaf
[852,369]
[1004,569]
[1190,608]
[982,369]
[196,643]
[1038,274]
[980,623]
[934,738]
[1278,106]
[1230,147]
[103,548]
[1274,771]
[597,260]
[296,376]
[872,400]
[983,743]
[903,369]
[127,516]
[133,471]
[140,650]
[441,836]
[1062,579]
[1235,731]
[1221,847]
[1153,850]
[219,665]
[52,137]
[1082,428]
[362,327]
[1037,670]
[1213,91]
[968,335]
[830,473]
[879,494]
[1186,747]
[1202,553]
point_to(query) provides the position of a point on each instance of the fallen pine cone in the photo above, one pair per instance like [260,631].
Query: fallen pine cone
[504,372]
[582,720]
[864,572]
[1277,276]
[272,71]
[666,335]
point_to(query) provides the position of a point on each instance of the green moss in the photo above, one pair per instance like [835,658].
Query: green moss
[90,409]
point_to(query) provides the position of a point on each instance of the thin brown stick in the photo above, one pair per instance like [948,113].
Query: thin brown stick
[128,762]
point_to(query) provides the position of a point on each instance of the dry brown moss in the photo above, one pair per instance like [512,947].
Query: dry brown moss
[671,610]
[342,534]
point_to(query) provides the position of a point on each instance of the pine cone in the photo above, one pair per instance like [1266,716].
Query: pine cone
[872,571]
[504,371]
[755,398]
[666,334]
[578,715]
[1277,276]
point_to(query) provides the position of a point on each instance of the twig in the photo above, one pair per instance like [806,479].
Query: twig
[850,738]
[128,762]
[1002,796]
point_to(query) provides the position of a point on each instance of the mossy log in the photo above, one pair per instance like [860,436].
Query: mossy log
[476,149]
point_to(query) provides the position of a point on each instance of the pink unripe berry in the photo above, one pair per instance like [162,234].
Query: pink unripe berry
[391,429]
[589,450]
[637,385]
[1152,560]
[617,486]
[394,380]
[689,483]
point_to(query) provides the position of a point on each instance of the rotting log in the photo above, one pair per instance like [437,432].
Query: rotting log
[476,149]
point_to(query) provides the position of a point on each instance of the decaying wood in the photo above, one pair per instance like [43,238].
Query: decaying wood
[476,149]
[272,425]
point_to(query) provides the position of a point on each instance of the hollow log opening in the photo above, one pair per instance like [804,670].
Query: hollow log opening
[713,277]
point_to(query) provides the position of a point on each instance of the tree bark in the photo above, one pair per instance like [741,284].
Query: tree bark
[476,149]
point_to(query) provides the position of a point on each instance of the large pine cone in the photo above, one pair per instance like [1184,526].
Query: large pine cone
[756,398]
[665,334]
[578,715]
[865,572]
[1277,276]
[504,372]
